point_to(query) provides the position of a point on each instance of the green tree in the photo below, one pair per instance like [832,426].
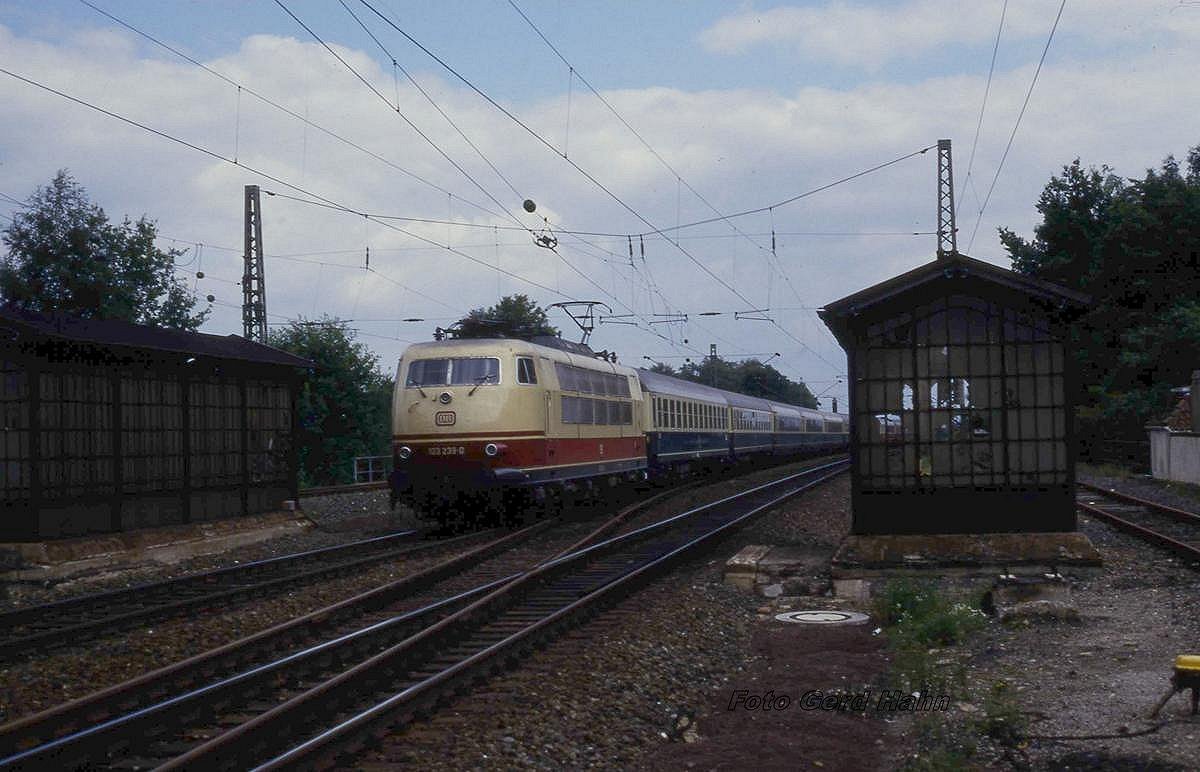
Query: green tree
[345,403]
[749,376]
[662,368]
[515,316]
[64,255]
[1133,246]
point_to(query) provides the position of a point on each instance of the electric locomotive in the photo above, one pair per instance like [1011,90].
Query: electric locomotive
[481,416]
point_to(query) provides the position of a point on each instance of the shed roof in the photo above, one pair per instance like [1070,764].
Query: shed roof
[836,315]
[114,332]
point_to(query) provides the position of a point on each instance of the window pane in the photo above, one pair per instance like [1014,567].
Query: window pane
[474,370]
[427,372]
[525,371]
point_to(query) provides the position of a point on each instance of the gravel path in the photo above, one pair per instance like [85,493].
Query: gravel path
[1098,679]
[1172,494]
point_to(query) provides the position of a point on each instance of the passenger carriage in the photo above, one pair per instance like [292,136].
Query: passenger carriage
[685,421]
[752,426]
[791,434]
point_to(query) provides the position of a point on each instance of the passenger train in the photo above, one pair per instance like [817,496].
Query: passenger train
[504,418]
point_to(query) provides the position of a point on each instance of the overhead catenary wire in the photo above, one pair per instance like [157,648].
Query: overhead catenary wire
[1017,124]
[680,181]
[655,235]
[428,140]
[983,105]
[588,175]
[265,175]
[424,136]
[432,101]
[591,178]
[284,109]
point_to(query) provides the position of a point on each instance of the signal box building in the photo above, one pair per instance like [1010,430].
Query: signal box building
[110,426]
[960,401]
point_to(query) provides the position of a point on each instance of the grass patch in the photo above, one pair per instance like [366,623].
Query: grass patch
[1113,471]
[923,626]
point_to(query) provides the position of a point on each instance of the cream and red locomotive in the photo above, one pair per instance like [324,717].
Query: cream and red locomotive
[501,416]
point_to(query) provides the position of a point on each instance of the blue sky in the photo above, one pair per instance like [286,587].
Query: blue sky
[627,43]
[749,104]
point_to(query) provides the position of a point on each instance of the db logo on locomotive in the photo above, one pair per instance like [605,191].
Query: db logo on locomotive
[444,418]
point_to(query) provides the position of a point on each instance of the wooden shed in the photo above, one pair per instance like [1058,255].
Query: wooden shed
[110,426]
[961,400]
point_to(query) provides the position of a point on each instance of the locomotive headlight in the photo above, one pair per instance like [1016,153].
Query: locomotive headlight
[491,449]
[404,452]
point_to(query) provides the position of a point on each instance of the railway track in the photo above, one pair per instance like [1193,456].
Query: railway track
[329,490]
[342,714]
[34,628]
[1173,529]
[163,716]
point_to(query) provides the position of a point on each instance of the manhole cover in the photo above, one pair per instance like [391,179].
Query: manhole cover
[823,617]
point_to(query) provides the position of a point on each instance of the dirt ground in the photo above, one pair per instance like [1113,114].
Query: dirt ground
[790,661]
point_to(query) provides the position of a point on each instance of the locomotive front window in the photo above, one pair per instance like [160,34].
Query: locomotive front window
[462,371]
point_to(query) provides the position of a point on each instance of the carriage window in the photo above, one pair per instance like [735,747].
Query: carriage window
[525,371]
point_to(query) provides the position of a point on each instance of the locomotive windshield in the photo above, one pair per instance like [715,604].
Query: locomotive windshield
[462,371]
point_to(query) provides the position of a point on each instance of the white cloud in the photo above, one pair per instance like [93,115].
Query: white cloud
[740,148]
[870,36]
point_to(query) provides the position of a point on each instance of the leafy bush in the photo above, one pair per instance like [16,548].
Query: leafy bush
[918,612]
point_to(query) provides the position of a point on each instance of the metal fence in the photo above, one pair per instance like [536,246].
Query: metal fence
[372,468]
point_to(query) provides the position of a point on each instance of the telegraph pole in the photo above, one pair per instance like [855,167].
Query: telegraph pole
[947,239]
[254,289]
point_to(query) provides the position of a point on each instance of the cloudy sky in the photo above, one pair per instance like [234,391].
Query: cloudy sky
[704,109]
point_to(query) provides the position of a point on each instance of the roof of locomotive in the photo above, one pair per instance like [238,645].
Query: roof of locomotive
[494,346]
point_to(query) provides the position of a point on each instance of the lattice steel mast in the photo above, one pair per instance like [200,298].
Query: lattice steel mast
[254,290]
[947,229]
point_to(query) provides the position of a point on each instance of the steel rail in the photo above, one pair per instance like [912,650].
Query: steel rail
[333,490]
[76,745]
[84,746]
[188,674]
[192,591]
[1182,515]
[1183,549]
[590,573]
[19,616]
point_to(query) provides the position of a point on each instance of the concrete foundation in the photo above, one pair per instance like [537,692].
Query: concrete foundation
[1043,560]
[779,571]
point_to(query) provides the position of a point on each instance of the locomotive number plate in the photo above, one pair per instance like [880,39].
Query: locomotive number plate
[448,450]
[444,418]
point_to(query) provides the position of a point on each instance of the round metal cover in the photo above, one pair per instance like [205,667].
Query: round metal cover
[823,617]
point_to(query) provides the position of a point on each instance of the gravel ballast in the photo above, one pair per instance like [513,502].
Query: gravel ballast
[639,676]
